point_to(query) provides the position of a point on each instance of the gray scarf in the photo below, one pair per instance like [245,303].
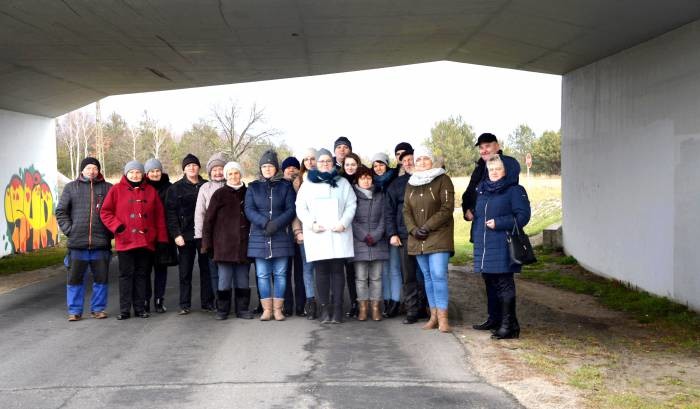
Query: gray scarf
[424,177]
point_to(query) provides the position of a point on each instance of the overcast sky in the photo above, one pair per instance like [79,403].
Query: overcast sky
[374,108]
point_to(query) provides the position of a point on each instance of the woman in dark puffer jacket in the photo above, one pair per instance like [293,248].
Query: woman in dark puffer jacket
[500,203]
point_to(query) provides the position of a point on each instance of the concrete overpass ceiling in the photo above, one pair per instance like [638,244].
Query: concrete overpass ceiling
[59,55]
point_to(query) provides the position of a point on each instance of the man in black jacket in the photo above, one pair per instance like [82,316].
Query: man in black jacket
[89,241]
[180,204]
[415,299]
[488,146]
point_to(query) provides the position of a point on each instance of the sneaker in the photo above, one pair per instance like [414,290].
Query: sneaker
[143,314]
[183,311]
[209,308]
[74,317]
[100,315]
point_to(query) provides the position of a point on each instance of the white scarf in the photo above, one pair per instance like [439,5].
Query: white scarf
[424,177]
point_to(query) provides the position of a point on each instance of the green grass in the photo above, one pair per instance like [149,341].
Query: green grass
[31,261]
[561,271]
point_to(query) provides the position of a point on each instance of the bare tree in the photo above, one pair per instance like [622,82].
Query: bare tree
[250,134]
[158,136]
[134,136]
[99,136]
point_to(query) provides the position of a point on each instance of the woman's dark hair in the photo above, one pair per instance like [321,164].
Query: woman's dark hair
[362,170]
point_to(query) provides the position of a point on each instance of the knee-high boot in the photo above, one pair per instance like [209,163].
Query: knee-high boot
[510,328]
[223,304]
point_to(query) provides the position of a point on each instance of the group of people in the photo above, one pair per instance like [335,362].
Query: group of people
[311,229]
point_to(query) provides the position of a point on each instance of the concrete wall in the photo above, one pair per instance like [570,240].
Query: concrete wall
[28,179]
[631,165]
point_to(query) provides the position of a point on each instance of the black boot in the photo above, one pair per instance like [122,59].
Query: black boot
[223,304]
[388,305]
[310,308]
[489,324]
[326,313]
[242,303]
[510,328]
[147,306]
[353,310]
[337,314]
[160,307]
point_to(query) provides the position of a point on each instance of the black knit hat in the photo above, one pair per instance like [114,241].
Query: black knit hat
[291,161]
[269,158]
[190,158]
[403,146]
[90,161]
[342,141]
[486,138]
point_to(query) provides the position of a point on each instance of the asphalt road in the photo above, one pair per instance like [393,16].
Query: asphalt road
[194,361]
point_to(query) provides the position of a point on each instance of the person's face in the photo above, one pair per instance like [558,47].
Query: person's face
[309,162]
[488,149]
[350,166]
[423,163]
[268,170]
[379,168]
[324,163]
[90,172]
[155,174]
[496,172]
[341,151]
[134,175]
[365,181]
[217,173]
[191,170]
[407,163]
[233,177]
[291,172]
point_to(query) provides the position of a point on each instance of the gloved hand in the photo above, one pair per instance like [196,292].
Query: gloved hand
[270,228]
[370,240]
[120,229]
[421,233]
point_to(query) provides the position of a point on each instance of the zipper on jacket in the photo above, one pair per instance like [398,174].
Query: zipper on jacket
[483,254]
[431,192]
[90,223]
[270,241]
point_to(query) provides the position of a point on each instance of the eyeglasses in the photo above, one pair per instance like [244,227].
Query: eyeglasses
[324,161]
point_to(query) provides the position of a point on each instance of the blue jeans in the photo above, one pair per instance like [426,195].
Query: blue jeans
[308,274]
[233,275]
[267,267]
[434,268]
[79,263]
[391,275]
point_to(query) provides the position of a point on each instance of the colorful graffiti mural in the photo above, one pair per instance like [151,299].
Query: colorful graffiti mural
[29,211]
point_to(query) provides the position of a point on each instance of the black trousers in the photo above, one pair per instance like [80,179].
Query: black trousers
[350,277]
[330,279]
[295,273]
[414,297]
[186,255]
[499,287]
[160,278]
[134,268]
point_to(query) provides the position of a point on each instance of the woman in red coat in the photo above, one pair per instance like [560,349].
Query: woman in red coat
[134,212]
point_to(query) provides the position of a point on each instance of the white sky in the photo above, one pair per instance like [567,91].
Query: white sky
[376,108]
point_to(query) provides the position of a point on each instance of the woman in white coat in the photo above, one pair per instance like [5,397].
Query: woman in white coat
[326,206]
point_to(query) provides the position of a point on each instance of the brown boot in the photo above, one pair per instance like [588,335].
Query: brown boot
[277,306]
[443,325]
[267,309]
[433,321]
[376,311]
[364,305]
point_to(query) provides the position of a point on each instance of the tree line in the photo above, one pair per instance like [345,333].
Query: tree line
[453,140]
[240,133]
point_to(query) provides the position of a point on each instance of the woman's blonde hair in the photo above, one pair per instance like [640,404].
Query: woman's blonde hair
[494,161]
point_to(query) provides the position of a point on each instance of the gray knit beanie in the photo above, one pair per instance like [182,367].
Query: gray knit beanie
[322,152]
[217,159]
[133,165]
[152,164]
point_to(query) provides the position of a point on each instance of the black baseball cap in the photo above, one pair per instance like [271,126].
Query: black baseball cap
[486,138]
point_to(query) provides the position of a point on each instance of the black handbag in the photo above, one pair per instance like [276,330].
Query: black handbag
[519,246]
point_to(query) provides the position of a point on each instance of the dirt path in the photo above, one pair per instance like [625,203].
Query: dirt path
[573,352]
[18,280]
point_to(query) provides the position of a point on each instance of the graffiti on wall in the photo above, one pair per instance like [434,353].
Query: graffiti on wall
[29,211]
